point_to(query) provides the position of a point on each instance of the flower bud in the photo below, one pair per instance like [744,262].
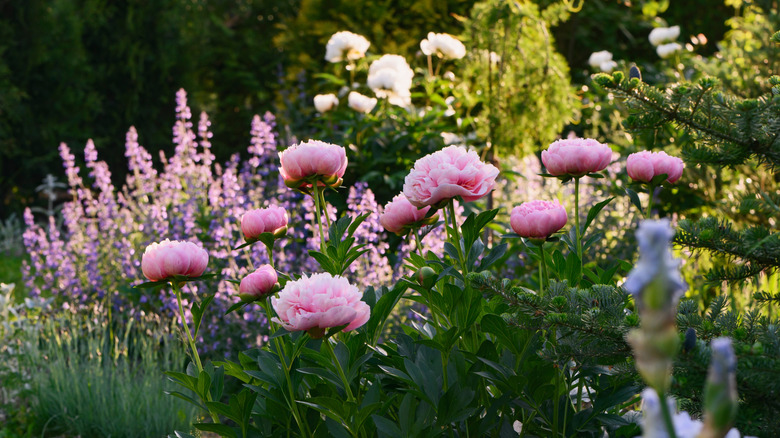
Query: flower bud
[260,283]
[426,277]
[720,391]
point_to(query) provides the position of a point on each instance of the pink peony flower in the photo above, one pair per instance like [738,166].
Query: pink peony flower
[450,172]
[163,260]
[538,219]
[318,302]
[644,166]
[313,160]
[264,220]
[400,216]
[576,157]
[259,283]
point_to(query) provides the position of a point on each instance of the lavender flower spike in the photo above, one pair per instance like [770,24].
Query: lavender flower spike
[655,282]
[657,286]
[720,392]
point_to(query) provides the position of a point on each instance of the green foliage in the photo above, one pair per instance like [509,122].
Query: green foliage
[73,70]
[757,346]
[719,131]
[512,52]
[100,380]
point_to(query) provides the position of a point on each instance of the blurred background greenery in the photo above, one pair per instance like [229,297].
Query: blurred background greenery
[77,69]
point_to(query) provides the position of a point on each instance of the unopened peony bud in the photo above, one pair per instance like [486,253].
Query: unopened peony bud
[538,219]
[167,259]
[426,277]
[258,284]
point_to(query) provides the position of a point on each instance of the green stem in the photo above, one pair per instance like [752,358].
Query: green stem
[290,390]
[270,255]
[347,388]
[325,207]
[667,415]
[416,233]
[577,230]
[191,341]
[580,384]
[456,236]
[543,281]
[556,406]
[430,67]
[650,192]
[317,213]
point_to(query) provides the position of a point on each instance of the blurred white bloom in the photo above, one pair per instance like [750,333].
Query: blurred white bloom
[598,58]
[667,50]
[361,103]
[495,58]
[684,426]
[450,138]
[518,427]
[660,35]
[390,76]
[608,66]
[448,75]
[346,45]
[325,102]
[443,45]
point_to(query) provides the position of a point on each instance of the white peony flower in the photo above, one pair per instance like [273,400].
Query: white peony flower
[346,45]
[325,102]
[443,45]
[667,50]
[598,58]
[608,66]
[361,103]
[390,76]
[660,35]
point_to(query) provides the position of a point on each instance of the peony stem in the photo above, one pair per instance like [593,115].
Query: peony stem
[325,207]
[302,425]
[542,269]
[456,236]
[577,230]
[319,218]
[430,67]
[270,255]
[650,192]
[350,396]
[191,341]
[416,233]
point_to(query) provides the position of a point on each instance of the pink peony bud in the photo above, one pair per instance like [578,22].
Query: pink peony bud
[671,166]
[639,166]
[263,220]
[576,157]
[261,282]
[644,166]
[400,216]
[450,172]
[313,160]
[163,260]
[538,219]
[318,302]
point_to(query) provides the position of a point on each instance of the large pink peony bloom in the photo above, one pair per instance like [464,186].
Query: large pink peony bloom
[313,160]
[450,172]
[644,166]
[318,302]
[538,219]
[163,260]
[400,215]
[261,282]
[264,220]
[576,157]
